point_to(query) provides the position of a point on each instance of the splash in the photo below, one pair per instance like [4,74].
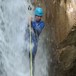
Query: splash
[14,60]
[13,23]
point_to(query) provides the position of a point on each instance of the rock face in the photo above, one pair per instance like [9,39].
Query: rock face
[60,18]
[67,55]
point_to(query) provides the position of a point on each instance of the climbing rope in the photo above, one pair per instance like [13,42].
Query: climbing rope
[31,67]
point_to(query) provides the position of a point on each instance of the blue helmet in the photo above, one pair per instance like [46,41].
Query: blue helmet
[38,11]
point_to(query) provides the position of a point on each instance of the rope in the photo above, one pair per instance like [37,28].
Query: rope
[31,68]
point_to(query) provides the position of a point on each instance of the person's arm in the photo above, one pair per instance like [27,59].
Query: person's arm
[39,30]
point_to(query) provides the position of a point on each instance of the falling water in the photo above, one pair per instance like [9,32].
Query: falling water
[14,59]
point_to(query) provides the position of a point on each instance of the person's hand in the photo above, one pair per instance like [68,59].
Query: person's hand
[31,29]
[30,19]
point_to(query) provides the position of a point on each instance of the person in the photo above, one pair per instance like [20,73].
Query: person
[37,25]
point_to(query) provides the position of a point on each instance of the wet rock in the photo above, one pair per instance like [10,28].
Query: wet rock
[67,55]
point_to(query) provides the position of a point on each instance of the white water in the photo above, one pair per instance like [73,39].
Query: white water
[14,60]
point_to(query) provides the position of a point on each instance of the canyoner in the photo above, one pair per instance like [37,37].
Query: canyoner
[35,27]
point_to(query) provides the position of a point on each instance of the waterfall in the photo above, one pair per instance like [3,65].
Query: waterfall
[14,59]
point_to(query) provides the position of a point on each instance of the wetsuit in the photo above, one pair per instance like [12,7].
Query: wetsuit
[37,28]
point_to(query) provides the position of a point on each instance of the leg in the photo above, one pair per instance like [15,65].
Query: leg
[34,50]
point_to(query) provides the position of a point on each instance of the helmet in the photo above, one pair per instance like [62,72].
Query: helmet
[38,11]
